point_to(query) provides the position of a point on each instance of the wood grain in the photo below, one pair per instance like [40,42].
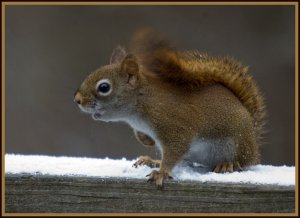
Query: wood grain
[40,193]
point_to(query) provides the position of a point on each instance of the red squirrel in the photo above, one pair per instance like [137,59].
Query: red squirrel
[191,106]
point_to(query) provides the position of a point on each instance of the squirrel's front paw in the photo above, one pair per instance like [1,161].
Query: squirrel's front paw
[148,161]
[159,177]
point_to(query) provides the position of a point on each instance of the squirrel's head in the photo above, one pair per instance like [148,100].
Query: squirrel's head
[109,91]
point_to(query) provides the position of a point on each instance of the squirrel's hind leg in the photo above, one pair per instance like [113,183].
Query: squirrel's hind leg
[228,167]
[246,154]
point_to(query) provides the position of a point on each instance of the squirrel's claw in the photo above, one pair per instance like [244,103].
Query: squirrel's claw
[158,177]
[237,166]
[228,167]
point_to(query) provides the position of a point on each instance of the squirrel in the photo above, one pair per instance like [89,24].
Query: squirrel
[193,107]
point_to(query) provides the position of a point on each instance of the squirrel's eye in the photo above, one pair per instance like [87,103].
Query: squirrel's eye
[103,87]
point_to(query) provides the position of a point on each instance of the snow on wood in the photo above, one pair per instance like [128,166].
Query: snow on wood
[37,184]
[75,166]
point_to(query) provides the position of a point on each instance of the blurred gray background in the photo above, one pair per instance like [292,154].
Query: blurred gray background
[51,49]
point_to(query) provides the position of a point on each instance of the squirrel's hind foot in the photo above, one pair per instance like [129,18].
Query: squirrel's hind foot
[228,167]
[148,161]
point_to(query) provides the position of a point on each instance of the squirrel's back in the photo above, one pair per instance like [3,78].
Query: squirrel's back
[192,69]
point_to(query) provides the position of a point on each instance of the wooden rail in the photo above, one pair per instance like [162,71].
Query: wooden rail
[53,194]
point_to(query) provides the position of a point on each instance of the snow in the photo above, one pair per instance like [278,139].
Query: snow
[82,166]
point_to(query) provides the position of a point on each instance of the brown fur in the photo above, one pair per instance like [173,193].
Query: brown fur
[181,96]
[193,69]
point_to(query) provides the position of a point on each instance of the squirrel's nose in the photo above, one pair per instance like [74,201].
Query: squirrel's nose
[77,97]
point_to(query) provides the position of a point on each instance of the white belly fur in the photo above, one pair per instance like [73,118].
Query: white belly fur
[207,153]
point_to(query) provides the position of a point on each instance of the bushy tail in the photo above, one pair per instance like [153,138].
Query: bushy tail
[193,69]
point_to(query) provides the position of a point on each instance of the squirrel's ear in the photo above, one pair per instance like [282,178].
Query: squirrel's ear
[118,55]
[131,68]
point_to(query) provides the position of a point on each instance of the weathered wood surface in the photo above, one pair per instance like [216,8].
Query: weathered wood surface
[28,193]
